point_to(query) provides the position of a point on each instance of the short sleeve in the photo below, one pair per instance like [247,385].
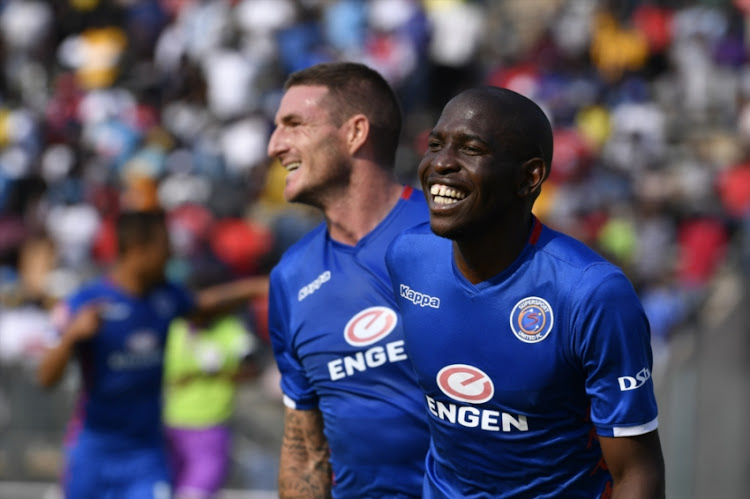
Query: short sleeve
[613,344]
[298,392]
[63,313]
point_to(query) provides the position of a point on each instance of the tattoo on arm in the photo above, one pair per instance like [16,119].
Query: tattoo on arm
[304,471]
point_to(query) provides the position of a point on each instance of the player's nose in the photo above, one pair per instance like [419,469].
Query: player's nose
[276,144]
[445,161]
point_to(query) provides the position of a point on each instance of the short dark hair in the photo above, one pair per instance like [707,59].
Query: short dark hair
[355,88]
[135,228]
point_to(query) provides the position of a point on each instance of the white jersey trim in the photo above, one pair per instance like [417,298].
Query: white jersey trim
[632,431]
[289,402]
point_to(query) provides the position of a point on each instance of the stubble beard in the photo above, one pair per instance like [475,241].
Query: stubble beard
[328,187]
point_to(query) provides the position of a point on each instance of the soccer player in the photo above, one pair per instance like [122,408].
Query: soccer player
[116,328]
[337,338]
[531,350]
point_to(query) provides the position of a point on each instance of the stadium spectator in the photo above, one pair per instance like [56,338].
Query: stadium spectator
[204,362]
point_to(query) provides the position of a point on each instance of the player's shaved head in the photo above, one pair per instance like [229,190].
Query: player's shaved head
[518,120]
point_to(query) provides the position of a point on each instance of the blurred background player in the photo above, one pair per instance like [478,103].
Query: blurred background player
[335,332]
[116,327]
[532,350]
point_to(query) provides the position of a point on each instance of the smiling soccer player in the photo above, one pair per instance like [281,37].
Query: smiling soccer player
[528,360]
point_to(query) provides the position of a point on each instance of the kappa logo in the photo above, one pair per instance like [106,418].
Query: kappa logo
[309,289]
[418,298]
[465,383]
[370,325]
[532,319]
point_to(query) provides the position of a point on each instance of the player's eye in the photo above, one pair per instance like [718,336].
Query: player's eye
[472,150]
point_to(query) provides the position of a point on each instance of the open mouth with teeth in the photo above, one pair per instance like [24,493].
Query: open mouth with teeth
[290,167]
[442,194]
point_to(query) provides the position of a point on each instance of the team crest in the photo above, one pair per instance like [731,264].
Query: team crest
[531,319]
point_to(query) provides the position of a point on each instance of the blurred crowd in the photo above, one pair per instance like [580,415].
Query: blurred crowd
[106,105]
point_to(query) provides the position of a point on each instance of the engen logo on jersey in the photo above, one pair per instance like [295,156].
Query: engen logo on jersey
[531,319]
[365,328]
[370,325]
[464,383]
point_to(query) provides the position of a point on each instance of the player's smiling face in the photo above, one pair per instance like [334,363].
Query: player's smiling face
[469,179]
[309,145]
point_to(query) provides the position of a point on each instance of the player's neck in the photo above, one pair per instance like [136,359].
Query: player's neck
[124,277]
[366,202]
[482,257]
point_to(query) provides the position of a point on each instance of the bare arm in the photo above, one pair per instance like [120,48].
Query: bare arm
[226,297]
[636,465]
[53,363]
[304,471]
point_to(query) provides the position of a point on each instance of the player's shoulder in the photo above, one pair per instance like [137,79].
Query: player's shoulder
[577,261]
[92,289]
[420,230]
[410,210]
[300,254]
[412,235]
[567,249]
[172,287]
[414,239]
[174,293]
[415,201]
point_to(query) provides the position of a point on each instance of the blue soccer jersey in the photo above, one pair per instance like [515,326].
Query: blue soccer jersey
[339,346]
[521,372]
[119,410]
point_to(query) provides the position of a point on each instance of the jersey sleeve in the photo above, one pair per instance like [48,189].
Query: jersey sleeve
[298,392]
[63,313]
[613,344]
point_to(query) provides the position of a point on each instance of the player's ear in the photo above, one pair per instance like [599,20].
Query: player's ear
[533,173]
[357,131]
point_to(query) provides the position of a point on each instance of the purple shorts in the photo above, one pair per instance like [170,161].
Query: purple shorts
[200,458]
